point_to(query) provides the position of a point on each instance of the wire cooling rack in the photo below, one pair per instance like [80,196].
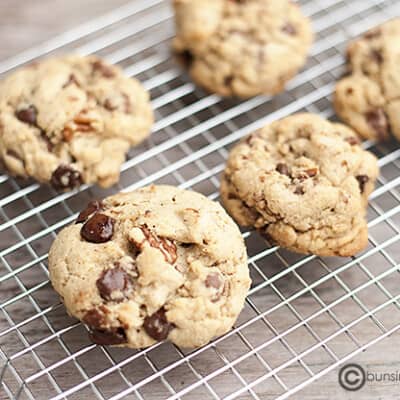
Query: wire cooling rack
[304,315]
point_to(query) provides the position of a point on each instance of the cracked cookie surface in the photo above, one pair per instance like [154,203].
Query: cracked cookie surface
[369,98]
[241,48]
[154,264]
[304,183]
[71,120]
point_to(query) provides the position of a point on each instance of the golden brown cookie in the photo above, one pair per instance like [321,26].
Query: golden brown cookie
[241,48]
[71,120]
[369,98]
[159,263]
[304,183]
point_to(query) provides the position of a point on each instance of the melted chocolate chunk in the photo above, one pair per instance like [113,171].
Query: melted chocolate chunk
[65,177]
[283,169]
[98,229]
[111,336]
[289,29]
[94,318]
[214,280]
[166,246]
[112,281]
[27,115]
[378,122]
[189,245]
[157,325]
[362,180]
[91,208]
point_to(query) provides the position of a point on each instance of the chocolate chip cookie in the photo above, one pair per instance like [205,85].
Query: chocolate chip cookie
[303,182]
[71,120]
[154,264]
[241,48]
[369,98]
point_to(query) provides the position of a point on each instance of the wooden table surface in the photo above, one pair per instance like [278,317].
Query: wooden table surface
[24,23]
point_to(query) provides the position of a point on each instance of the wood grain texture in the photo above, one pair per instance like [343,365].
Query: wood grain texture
[24,23]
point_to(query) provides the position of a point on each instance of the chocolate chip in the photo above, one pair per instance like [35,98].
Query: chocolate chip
[112,281]
[98,229]
[283,169]
[377,56]
[377,120]
[105,70]
[111,336]
[214,281]
[289,29]
[166,246]
[299,190]
[27,115]
[362,180]
[94,318]
[352,140]
[65,177]
[189,245]
[157,325]
[91,208]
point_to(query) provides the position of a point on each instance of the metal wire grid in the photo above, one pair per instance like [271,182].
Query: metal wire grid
[304,315]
